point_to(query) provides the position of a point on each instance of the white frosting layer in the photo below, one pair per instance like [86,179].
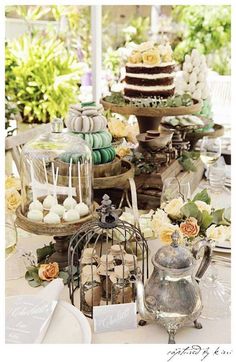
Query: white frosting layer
[150,89]
[150,76]
[143,65]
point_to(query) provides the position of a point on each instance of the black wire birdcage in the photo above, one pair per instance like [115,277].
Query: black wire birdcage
[103,258]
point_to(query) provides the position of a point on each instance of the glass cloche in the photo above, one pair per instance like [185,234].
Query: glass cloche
[56,176]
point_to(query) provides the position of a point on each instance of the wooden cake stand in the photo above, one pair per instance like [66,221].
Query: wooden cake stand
[61,232]
[150,118]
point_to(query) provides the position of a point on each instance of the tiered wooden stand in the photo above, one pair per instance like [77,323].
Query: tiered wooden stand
[150,118]
[149,186]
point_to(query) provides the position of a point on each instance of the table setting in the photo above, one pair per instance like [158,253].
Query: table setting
[124,247]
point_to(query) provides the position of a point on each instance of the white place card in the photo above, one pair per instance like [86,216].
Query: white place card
[27,319]
[115,317]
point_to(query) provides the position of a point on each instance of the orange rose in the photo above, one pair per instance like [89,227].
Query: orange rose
[190,227]
[48,271]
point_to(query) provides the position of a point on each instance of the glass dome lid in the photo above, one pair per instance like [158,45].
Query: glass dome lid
[56,177]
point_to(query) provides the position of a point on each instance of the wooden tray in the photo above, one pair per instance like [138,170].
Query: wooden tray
[107,169]
[41,228]
[119,181]
[194,137]
[151,111]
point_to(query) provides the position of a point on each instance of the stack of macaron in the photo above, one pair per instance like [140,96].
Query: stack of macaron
[86,118]
[90,124]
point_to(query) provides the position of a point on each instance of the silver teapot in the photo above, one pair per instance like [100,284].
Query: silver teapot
[171,295]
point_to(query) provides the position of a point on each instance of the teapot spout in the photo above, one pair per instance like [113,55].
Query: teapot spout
[145,313]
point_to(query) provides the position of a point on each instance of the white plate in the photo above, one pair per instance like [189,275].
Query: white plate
[222,250]
[68,325]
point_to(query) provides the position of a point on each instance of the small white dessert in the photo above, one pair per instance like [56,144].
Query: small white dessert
[69,203]
[82,208]
[52,218]
[71,215]
[35,215]
[49,201]
[58,209]
[36,205]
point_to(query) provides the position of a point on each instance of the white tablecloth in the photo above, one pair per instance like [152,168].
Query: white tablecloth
[214,331]
[151,333]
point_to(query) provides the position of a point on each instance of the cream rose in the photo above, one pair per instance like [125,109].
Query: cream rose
[219,233]
[48,271]
[166,231]
[151,57]
[173,208]
[190,227]
[12,182]
[159,218]
[202,206]
[13,199]
[135,58]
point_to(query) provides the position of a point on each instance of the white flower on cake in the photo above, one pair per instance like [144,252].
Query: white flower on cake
[173,208]
[145,46]
[218,233]
[202,206]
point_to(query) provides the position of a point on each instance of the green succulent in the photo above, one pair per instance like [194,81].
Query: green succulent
[42,77]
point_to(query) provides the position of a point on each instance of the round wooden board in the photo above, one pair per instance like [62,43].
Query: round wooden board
[119,181]
[153,112]
[193,137]
[41,228]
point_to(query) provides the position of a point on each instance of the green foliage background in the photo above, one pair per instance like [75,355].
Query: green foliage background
[208,29]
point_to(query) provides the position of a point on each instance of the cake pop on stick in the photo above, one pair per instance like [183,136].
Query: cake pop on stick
[50,200]
[56,209]
[69,202]
[81,207]
[35,204]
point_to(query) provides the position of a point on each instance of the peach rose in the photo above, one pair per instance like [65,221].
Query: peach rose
[166,231]
[13,199]
[48,271]
[190,227]
[151,57]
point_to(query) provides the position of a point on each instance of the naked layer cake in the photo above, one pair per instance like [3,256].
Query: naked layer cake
[150,72]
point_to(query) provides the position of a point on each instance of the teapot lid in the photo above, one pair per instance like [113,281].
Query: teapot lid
[173,256]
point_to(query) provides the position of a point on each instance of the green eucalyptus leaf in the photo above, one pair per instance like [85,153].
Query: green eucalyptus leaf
[34,283]
[64,275]
[28,276]
[206,220]
[203,196]
[190,210]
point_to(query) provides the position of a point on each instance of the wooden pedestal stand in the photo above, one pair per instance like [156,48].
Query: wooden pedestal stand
[150,118]
[61,233]
[149,186]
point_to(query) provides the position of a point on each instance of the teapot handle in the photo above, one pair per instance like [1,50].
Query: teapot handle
[206,259]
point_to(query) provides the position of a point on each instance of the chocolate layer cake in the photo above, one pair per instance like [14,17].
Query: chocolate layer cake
[149,81]
[150,72]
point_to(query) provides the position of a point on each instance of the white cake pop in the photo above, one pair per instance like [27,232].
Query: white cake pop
[82,208]
[58,209]
[71,215]
[69,202]
[52,218]
[35,215]
[187,58]
[36,205]
[49,201]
